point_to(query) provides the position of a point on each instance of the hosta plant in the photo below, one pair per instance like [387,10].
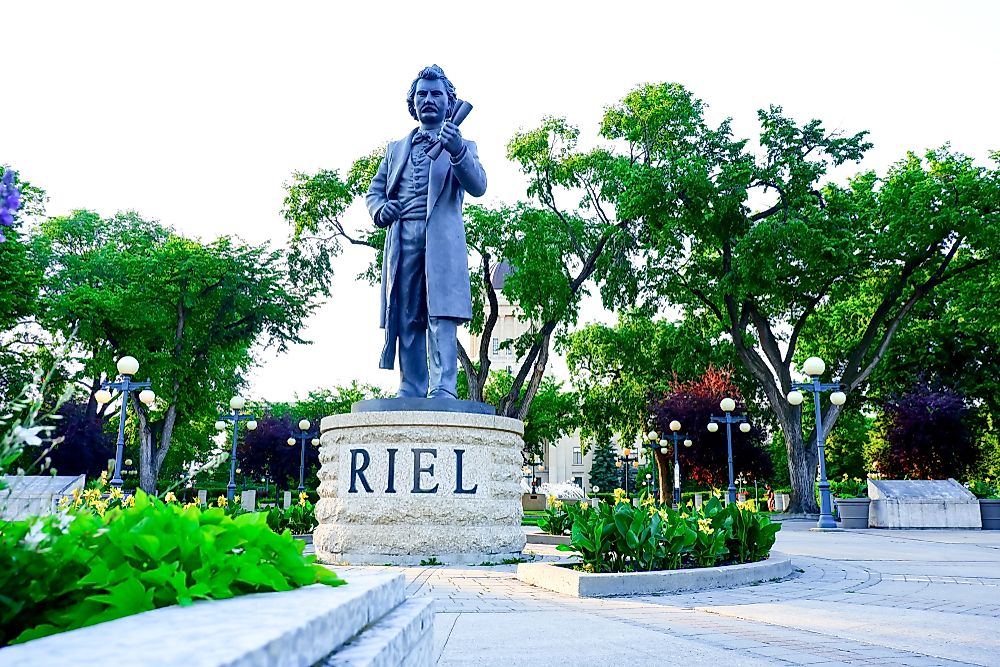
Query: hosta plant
[79,568]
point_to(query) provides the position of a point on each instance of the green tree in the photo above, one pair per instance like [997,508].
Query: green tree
[319,403]
[603,473]
[20,280]
[554,413]
[754,239]
[193,313]
[618,371]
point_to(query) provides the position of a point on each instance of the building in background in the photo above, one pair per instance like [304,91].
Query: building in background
[561,461]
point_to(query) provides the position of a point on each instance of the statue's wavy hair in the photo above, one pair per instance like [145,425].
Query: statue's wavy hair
[431,73]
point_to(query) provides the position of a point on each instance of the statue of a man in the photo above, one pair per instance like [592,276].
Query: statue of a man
[425,268]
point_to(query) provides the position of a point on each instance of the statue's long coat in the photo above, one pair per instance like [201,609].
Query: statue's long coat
[446,264]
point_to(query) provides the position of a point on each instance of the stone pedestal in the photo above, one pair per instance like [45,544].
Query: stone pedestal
[401,487]
[922,503]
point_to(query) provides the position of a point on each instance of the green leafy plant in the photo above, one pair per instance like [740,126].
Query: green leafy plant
[982,489]
[622,538]
[300,518]
[79,568]
[431,561]
[849,487]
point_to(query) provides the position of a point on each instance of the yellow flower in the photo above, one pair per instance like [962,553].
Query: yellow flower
[101,506]
[705,526]
[64,502]
[236,500]
[221,502]
[116,493]
[169,497]
[129,501]
[303,495]
[193,503]
[557,504]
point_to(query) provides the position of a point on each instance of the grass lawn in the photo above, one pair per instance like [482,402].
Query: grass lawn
[531,517]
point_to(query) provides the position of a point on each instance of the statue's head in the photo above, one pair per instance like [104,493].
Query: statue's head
[432,77]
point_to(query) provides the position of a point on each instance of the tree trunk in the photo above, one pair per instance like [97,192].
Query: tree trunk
[802,460]
[665,476]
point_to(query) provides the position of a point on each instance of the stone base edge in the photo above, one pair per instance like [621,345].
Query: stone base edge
[297,627]
[405,636]
[545,538]
[580,584]
[472,558]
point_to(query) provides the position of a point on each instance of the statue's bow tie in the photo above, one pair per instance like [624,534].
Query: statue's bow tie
[421,135]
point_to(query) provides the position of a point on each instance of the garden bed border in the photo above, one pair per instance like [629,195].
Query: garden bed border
[562,579]
[367,621]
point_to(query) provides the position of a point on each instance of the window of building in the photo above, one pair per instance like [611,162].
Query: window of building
[496,345]
[578,481]
[577,457]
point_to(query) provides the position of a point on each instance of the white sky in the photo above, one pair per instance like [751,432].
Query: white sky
[195,113]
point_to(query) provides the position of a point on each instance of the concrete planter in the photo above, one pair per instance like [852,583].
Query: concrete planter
[561,578]
[367,622]
[853,512]
[990,510]
[306,537]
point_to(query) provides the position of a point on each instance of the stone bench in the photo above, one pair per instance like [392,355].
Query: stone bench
[368,621]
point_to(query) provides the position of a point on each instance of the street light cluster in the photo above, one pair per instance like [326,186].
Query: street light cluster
[814,367]
[654,439]
[127,367]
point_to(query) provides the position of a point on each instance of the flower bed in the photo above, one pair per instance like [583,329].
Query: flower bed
[623,538]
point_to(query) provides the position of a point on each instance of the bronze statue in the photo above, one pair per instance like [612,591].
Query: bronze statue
[418,194]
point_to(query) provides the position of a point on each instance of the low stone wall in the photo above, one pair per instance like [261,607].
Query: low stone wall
[400,487]
[563,579]
[368,621]
[922,503]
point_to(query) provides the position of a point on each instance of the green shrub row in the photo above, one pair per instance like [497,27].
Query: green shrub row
[84,567]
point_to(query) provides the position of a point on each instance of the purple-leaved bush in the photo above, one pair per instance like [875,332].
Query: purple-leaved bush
[927,435]
[10,201]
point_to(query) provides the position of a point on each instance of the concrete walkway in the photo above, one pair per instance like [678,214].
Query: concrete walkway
[861,597]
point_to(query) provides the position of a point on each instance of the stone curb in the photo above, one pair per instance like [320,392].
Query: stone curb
[561,579]
[544,538]
[298,627]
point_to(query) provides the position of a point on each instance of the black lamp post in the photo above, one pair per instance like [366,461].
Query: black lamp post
[236,404]
[675,426]
[623,461]
[814,367]
[728,405]
[127,367]
[303,436]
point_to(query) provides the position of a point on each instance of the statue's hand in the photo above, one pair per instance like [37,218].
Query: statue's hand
[390,213]
[451,137]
